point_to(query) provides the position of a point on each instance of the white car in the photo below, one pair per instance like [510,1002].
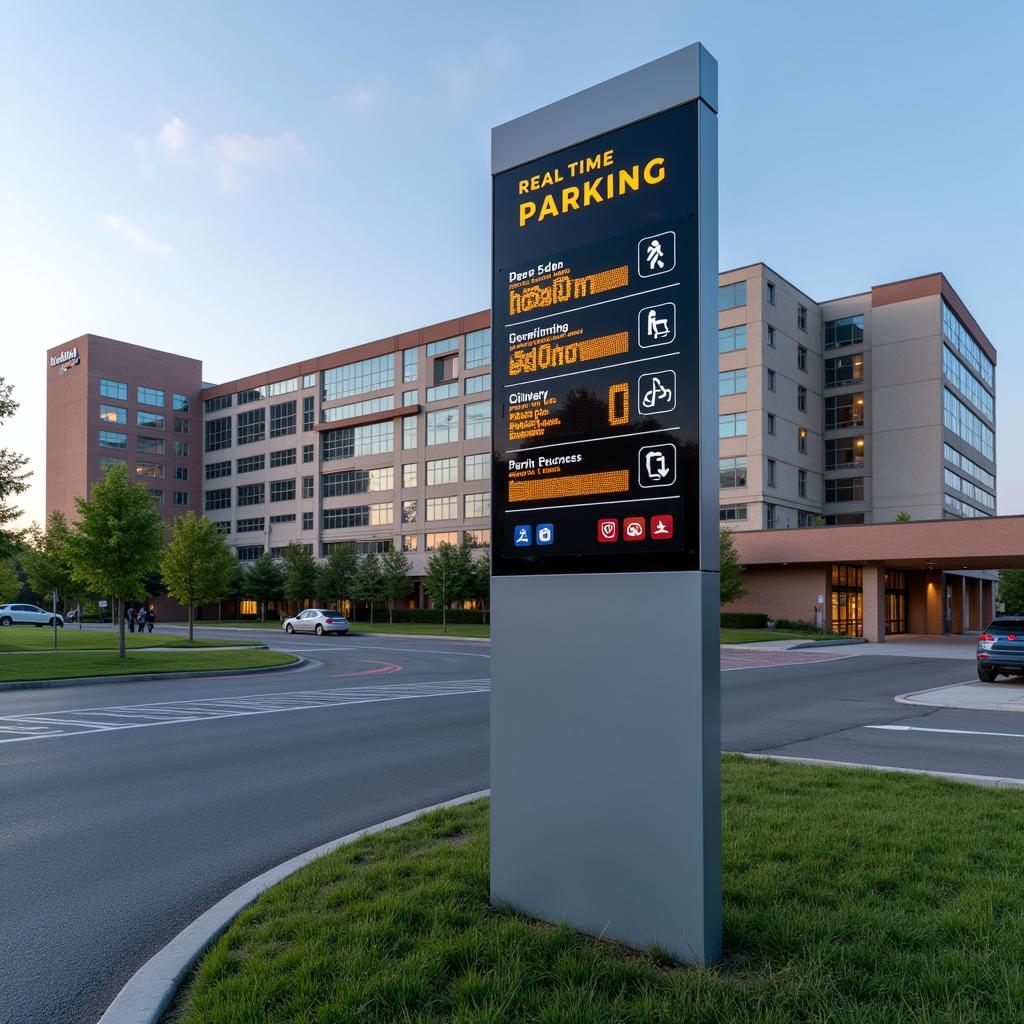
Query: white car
[317,620]
[28,615]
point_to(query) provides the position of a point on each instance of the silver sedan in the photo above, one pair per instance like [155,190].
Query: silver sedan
[317,620]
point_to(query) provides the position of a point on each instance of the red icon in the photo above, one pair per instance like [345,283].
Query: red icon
[634,528]
[661,527]
[607,530]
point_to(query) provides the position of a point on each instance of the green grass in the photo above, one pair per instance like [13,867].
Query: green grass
[399,628]
[28,638]
[850,897]
[753,636]
[57,665]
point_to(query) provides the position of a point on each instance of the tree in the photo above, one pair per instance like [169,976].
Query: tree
[1011,591]
[480,584]
[264,582]
[235,588]
[197,566]
[300,573]
[902,517]
[394,569]
[334,580]
[116,541]
[730,569]
[10,582]
[449,577]
[47,559]
[367,582]
[13,477]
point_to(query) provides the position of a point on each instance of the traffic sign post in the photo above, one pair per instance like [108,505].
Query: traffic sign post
[604,714]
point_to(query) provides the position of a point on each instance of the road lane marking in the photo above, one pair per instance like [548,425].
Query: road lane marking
[79,721]
[954,732]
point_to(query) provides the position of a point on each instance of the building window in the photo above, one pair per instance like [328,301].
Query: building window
[358,515]
[801,483]
[410,398]
[962,340]
[770,288]
[181,425]
[282,387]
[967,384]
[149,396]
[150,469]
[965,465]
[478,384]
[968,427]
[480,538]
[844,411]
[409,474]
[113,414]
[770,339]
[772,516]
[732,339]
[251,426]
[375,374]
[357,481]
[216,404]
[732,295]
[771,423]
[801,398]
[308,453]
[442,392]
[478,348]
[801,317]
[181,449]
[848,330]
[442,471]
[351,410]
[478,420]
[732,424]
[307,487]
[149,420]
[443,426]
[732,513]
[114,389]
[282,419]
[282,457]
[409,511]
[446,369]
[801,358]
[307,520]
[180,498]
[435,540]
[353,442]
[309,380]
[844,453]
[282,490]
[771,380]
[223,526]
[477,506]
[251,395]
[410,542]
[149,445]
[283,517]
[442,508]
[181,472]
[251,464]
[218,469]
[408,432]
[732,382]
[732,472]
[801,440]
[179,403]
[844,370]
[249,553]
[410,360]
[308,414]
[220,498]
[477,467]
[850,489]
[111,460]
[436,348]
[157,494]
[769,476]
[250,494]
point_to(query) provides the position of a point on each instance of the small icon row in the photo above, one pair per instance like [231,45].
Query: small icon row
[523,535]
[635,528]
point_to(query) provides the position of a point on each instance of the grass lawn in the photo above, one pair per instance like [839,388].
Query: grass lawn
[399,628]
[753,636]
[28,638]
[57,665]
[851,897]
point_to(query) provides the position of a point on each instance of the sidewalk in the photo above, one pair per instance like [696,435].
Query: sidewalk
[974,696]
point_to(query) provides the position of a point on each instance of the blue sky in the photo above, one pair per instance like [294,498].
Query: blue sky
[254,183]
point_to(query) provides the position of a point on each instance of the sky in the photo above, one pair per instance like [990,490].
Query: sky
[255,183]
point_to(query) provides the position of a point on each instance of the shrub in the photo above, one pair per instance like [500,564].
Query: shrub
[797,625]
[744,620]
[455,615]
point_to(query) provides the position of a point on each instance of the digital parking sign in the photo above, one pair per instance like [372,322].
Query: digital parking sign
[595,330]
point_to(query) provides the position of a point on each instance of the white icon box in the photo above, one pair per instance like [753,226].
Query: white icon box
[656,392]
[656,325]
[657,465]
[656,254]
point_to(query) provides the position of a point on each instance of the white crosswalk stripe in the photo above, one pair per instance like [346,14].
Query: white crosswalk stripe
[75,722]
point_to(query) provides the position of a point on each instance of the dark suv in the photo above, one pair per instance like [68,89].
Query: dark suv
[1001,648]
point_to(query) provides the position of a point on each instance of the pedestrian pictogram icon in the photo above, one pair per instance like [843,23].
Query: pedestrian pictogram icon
[522,536]
[656,254]
[656,325]
[656,392]
[657,465]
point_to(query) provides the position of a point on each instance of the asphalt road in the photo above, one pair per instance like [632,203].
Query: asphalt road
[133,807]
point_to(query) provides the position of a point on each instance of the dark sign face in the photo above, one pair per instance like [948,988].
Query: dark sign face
[595,332]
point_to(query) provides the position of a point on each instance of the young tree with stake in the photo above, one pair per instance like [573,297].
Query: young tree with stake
[368,583]
[395,568]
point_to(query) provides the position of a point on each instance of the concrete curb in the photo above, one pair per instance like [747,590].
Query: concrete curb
[152,987]
[355,631]
[814,644]
[917,699]
[989,781]
[43,684]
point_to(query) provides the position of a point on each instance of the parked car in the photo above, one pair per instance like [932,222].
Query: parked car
[1001,648]
[28,615]
[317,620]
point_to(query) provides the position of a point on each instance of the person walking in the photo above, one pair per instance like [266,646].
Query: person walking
[150,619]
[130,615]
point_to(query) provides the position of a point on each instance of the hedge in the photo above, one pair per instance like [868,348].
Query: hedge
[460,616]
[744,620]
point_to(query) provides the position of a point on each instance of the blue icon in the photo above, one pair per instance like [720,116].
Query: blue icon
[545,534]
[522,536]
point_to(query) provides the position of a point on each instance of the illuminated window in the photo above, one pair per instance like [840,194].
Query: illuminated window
[248,608]
[435,540]
[154,469]
[410,542]
[113,414]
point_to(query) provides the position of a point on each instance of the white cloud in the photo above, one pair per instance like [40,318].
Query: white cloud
[235,155]
[464,73]
[136,235]
[174,137]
